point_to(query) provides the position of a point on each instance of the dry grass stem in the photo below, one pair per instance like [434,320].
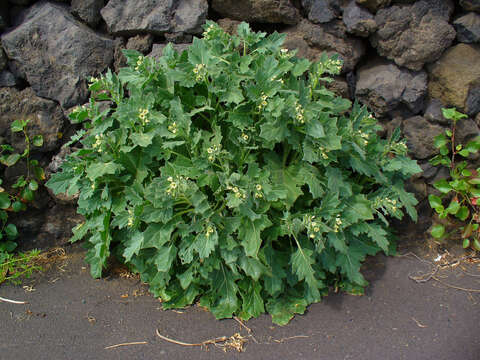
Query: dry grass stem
[12,301]
[236,342]
[419,324]
[291,338]
[126,344]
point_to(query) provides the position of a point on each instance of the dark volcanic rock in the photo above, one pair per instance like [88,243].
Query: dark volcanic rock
[470,5]
[321,11]
[383,87]
[130,17]
[311,40]
[468,28]
[358,20]
[57,56]
[433,112]
[466,130]
[412,35]
[3,58]
[374,5]
[229,25]
[141,43]
[420,136]
[455,78]
[265,11]
[46,118]
[7,79]
[88,10]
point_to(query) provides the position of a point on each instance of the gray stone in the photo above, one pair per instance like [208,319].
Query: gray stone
[189,16]
[358,20]
[433,112]
[264,11]
[57,56]
[429,171]
[374,5]
[142,43]
[88,10]
[468,28]
[157,49]
[420,136]
[465,131]
[331,38]
[131,17]
[455,78]
[470,5]
[3,58]
[383,87]
[46,118]
[7,79]
[412,35]
[321,11]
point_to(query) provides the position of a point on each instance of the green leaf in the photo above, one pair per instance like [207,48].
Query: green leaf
[358,208]
[315,129]
[435,201]
[439,141]
[4,200]
[283,309]
[37,140]
[157,235]
[205,244]
[453,207]
[224,287]
[33,185]
[96,170]
[133,245]
[252,305]
[11,159]
[11,231]
[437,231]
[476,244]
[302,260]
[466,243]
[17,126]
[252,267]
[165,257]
[300,67]
[463,213]
[350,263]
[142,139]
[250,234]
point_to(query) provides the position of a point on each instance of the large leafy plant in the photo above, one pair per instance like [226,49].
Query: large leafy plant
[230,174]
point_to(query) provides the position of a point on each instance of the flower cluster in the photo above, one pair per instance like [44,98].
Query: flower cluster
[173,128]
[338,223]
[274,78]
[98,142]
[213,151]
[263,103]
[239,193]
[387,203]
[333,66]
[131,219]
[399,148]
[364,136]
[139,62]
[299,113]
[142,114]
[313,227]
[324,152]
[284,53]
[200,72]
[209,231]
[258,192]
[208,31]
[175,185]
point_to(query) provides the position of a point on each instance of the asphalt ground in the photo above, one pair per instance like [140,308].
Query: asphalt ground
[414,308]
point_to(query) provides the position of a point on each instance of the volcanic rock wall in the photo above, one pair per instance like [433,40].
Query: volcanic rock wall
[404,59]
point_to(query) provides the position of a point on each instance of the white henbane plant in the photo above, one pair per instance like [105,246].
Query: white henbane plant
[231,175]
